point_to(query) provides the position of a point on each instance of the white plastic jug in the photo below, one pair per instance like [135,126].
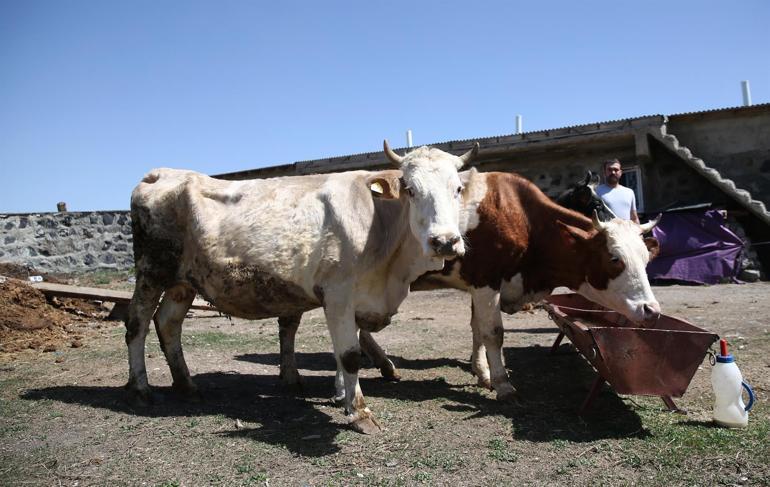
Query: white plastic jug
[727,381]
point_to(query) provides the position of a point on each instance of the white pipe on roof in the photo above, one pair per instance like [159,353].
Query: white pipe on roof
[409,138]
[746,93]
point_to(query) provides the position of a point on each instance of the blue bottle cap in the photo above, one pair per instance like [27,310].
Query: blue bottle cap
[725,359]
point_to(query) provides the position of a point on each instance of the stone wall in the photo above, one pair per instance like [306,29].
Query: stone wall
[67,242]
[736,146]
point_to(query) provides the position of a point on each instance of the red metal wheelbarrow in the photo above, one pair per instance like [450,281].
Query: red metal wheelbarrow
[656,360]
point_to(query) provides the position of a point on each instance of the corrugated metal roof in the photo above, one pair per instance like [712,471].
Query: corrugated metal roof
[577,130]
[724,109]
[556,129]
[481,140]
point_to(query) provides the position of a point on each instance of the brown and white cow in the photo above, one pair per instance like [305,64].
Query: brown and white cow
[521,246]
[350,242]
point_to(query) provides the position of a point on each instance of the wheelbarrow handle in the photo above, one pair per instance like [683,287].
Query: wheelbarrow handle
[751,396]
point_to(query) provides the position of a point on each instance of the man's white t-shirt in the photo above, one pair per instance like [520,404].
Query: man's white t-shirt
[620,199]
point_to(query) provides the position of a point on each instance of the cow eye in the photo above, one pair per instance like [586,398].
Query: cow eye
[410,192]
[615,258]
[459,189]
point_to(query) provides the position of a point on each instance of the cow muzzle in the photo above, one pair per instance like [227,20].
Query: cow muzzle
[446,245]
[650,312]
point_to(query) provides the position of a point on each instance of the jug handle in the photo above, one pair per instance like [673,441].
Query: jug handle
[751,396]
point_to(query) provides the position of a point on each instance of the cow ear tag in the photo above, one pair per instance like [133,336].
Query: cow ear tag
[376,187]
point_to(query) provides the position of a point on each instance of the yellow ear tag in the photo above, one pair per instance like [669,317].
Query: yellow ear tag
[376,187]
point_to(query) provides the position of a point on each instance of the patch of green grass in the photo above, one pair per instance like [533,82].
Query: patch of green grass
[103,277]
[319,462]
[13,428]
[684,451]
[560,444]
[232,341]
[448,461]
[498,450]
[344,437]
[423,477]
[257,478]
[9,408]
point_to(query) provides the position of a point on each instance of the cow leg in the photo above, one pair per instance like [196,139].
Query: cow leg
[339,386]
[287,331]
[373,350]
[479,365]
[347,352]
[140,310]
[168,324]
[486,313]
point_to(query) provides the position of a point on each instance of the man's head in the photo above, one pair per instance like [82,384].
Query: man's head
[612,171]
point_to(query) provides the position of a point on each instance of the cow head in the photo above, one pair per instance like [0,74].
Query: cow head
[582,197]
[433,190]
[615,258]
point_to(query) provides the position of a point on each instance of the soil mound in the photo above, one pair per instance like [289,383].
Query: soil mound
[29,320]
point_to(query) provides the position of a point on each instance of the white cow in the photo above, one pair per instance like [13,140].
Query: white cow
[521,246]
[350,242]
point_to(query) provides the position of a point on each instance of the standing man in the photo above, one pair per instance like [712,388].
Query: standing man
[620,199]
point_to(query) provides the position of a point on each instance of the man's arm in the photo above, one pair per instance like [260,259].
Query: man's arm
[634,216]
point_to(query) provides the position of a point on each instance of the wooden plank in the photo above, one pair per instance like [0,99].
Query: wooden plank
[80,292]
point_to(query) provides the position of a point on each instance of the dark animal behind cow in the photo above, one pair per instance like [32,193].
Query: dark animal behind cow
[582,197]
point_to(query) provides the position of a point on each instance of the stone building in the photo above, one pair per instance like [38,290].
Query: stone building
[716,158]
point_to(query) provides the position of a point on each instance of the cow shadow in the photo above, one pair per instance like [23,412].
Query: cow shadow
[315,361]
[550,392]
[281,417]
[324,361]
[551,389]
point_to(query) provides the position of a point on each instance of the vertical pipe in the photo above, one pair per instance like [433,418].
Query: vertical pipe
[409,138]
[746,93]
[518,124]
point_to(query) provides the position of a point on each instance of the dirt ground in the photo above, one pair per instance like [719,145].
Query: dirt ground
[29,320]
[64,421]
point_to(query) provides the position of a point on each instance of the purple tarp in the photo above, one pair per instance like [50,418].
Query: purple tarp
[695,247]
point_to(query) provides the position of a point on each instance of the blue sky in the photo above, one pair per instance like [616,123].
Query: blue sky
[93,94]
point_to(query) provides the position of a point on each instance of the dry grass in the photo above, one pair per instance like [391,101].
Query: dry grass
[67,422]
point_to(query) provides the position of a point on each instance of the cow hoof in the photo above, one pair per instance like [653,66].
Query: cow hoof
[485,382]
[390,375]
[139,398]
[507,395]
[365,424]
[292,383]
[291,380]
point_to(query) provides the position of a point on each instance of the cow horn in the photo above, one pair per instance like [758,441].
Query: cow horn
[646,227]
[595,220]
[468,156]
[392,156]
